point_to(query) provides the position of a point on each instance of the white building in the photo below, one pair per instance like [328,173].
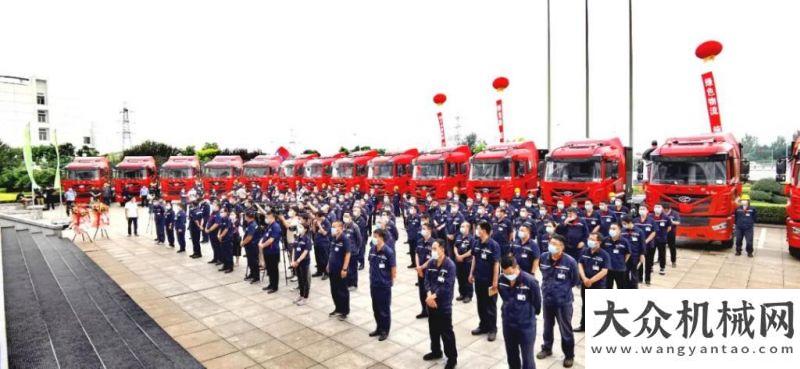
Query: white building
[25,100]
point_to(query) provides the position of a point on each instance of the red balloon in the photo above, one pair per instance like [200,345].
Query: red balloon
[708,49]
[500,83]
[439,99]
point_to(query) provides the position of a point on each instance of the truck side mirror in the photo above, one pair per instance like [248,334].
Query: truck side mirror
[541,167]
[780,170]
[639,170]
[744,171]
[614,167]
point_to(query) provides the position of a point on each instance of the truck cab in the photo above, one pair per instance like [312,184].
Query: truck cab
[262,170]
[220,173]
[441,170]
[500,169]
[701,176]
[292,171]
[792,190]
[84,175]
[587,170]
[350,172]
[131,174]
[176,174]
[318,171]
[391,171]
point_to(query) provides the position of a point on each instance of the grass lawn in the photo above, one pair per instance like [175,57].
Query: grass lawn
[7,196]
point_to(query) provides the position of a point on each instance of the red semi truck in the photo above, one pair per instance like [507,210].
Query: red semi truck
[350,172]
[318,171]
[701,176]
[391,171]
[792,190]
[220,173]
[292,171]
[441,170]
[262,170]
[179,172]
[500,169]
[587,170]
[84,175]
[131,174]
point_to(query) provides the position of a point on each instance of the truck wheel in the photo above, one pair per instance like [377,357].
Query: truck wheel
[727,243]
[795,252]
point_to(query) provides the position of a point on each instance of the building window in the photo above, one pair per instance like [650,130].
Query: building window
[44,134]
[42,114]
[87,140]
[40,99]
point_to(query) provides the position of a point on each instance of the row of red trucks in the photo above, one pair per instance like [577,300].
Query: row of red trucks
[700,176]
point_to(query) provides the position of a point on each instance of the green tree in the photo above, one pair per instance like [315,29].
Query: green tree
[159,151]
[87,151]
[475,144]
[311,151]
[189,150]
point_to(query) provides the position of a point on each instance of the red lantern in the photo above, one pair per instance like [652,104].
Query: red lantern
[500,84]
[708,50]
[439,99]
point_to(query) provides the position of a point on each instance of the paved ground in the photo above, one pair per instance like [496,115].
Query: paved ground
[227,323]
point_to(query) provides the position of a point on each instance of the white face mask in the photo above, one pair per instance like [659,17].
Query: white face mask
[465,231]
[592,244]
[426,233]
[603,207]
[510,277]
[560,206]
[333,231]
[657,210]
[643,212]
[588,207]
[550,230]
[613,233]
[522,234]
[434,254]
[618,203]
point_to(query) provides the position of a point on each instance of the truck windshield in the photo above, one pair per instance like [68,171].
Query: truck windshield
[429,171]
[131,173]
[378,171]
[83,175]
[314,171]
[255,172]
[689,171]
[482,170]
[287,170]
[343,170]
[217,172]
[573,171]
[177,172]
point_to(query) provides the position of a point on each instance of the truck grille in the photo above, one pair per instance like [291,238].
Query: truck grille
[690,203]
[695,221]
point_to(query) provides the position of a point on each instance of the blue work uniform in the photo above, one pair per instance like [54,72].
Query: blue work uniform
[272,253]
[302,244]
[180,229]
[205,208]
[526,253]
[558,279]
[522,302]
[745,220]
[648,226]
[594,261]
[575,233]
[423,254]
[618,251]
[225,248]
[636,238]
[158,217]
[169,226]
[381,263]
[213,220]
[340,248]
[485,256]
[440,281]
[607,218]
[464,243]
[322,244]
[251,249]
[501,233]
[195,228]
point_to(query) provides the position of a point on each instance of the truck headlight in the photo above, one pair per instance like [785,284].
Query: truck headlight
[796,230]
[720,226]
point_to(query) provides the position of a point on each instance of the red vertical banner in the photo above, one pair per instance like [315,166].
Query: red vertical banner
[500,119]
[441,128]
[712,102]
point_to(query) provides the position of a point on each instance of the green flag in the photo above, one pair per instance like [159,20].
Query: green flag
[57,180]
[28,156]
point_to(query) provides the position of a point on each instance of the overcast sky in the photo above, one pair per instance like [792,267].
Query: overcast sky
[333,73]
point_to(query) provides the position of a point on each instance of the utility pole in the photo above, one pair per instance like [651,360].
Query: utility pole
[586,49]
[126,129]
[630,74]
[458,129]
[549,103]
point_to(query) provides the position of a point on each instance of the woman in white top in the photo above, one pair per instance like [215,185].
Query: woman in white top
[132,215]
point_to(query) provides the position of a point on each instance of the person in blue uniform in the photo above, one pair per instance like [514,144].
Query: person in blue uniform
[413,228]
[590,217]
[462,251]
[195,228]
[322,242]
[484,273]
[646,223]
[575,232]
[301,260]
[547,232]
[675,218]
[453,227]
[225,232]
[663,227]
[517,201]
[352,231]
[619,249]
[211,230]
[158,217]
[593,268]
[382,273]
[270,246]
[338,260]
[252,235]
[607,217]
[619,209]
[525,250]
[440,278]
[424,244]
[205,208]
[360,219]
[745,218]
[559,276]
[636,239]
[502,230]
[180,228]
[522,302]
[169,224]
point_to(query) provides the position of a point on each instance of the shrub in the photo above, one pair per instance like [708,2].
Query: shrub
[779,200]
[756,195]
[769,186]
[770,213]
